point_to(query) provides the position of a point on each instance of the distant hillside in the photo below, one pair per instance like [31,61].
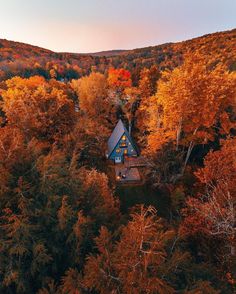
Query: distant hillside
[13,49]
[109,53]
[26,60]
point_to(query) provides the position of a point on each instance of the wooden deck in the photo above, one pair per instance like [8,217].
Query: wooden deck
[129,172]
[135,161]
[127,175]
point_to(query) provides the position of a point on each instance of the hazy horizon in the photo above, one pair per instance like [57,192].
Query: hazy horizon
[104,25]
[119,49]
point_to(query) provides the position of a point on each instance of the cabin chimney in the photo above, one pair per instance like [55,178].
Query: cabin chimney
[130,126]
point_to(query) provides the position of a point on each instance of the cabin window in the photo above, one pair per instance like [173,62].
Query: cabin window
[125,151]
[123,137]
[123,144]
[118,150]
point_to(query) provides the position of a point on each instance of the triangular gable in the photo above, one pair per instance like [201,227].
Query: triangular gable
[116,135]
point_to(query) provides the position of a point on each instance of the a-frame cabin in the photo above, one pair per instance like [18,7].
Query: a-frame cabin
[120,144]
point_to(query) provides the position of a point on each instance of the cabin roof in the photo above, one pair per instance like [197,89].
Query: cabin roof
[118,131]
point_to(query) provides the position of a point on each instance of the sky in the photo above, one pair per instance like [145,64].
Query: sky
[84,26]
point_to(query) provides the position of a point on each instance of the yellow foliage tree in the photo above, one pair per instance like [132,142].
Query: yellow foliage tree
[192,105]
[93,97]
[37,107]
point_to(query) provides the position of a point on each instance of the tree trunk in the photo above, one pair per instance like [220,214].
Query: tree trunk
[190,149]
[178,133]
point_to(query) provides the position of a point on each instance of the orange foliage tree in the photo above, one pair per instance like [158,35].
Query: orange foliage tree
[192,105]
[214,212]
[147,87]
[129,104]
[132,264]
[119,79]
[39,108]
[93,97]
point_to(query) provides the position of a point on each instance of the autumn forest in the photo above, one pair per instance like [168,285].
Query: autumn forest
[66,225]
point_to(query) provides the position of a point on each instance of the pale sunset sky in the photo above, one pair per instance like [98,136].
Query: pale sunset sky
[96,25]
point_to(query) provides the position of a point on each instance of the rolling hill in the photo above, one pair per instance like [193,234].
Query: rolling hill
[27,60]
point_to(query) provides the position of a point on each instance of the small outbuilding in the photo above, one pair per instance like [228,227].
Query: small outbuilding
[120,144]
